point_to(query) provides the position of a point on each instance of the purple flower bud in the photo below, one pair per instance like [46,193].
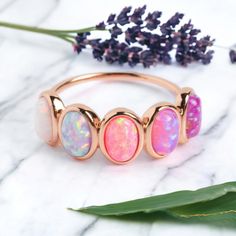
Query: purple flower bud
[168,27]
[147,58]
[123,57]
[98,53]
[133,58]
[194,31]
[111,19]
[206,59]
[136,17]
[81,41]
[185,28]
[152,20]
[131,34]
[115,31]
[101,26]
[81,37]
[232,55]
[175,20]
[166,58]
[123,17]
[122,46]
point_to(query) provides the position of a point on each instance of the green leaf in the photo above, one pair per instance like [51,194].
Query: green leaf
[162,202]
[214,203]
[218,209]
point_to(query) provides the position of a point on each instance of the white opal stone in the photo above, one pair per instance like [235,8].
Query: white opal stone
[76,134]
[43,120]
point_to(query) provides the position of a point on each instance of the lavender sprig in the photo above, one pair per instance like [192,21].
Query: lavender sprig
[140,38]
[136,37]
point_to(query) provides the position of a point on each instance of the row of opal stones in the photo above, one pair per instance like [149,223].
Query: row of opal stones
[121,136]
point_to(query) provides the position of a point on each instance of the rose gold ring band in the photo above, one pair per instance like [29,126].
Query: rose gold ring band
[118,76]
[121,134]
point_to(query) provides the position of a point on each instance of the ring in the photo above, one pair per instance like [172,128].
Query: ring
[121,134]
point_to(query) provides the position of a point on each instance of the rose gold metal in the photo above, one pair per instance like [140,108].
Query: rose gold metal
[182,101]
[148,120]
[144,126]
[108,117]
[118,77]
[56,106]
[93,122]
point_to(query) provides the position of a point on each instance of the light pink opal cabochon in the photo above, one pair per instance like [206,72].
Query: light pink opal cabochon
[76,135]
[43,120]
[194,116]
[121,138]
[165,131]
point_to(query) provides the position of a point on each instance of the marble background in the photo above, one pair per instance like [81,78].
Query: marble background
[38,183]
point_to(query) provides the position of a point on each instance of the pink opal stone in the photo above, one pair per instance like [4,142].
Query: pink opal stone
[194,116]
[165,131]
[43,120]
[121,138]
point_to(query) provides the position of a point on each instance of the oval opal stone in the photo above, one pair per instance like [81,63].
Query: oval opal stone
[165,131]
[121,138]
[194,116]
[43,120]
[76,134]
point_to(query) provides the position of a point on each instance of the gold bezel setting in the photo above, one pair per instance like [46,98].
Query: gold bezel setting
[56,106]
[182,102]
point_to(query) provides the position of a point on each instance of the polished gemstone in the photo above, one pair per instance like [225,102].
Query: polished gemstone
[121,138]
[43,120]
[76,134]
[194,116]
[165,131]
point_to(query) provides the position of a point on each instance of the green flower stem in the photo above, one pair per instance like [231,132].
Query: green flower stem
[62,34]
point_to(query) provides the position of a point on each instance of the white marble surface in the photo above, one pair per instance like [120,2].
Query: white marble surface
[38,183]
